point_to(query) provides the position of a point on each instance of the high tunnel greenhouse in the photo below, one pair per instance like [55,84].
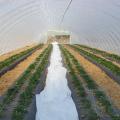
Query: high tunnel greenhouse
[59,59]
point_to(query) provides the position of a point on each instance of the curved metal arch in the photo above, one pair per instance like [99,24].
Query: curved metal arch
[30,13]
[18,17]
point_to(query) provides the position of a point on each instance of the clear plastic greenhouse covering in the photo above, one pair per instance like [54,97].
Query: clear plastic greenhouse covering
[91,22]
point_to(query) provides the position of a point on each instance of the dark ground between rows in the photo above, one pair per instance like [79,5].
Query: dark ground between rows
[73,91]
[77,100]
[32,108]
[15,63]
[74,96]
[30,115]
[103,68]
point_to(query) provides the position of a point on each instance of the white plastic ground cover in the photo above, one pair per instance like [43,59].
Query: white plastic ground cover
[55,101]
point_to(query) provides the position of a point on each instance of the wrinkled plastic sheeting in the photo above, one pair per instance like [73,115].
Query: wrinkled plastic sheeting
[55,101]
[95,22]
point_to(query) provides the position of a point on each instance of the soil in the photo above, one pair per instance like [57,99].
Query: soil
[15,63]
[105,69]
[74,94]
[90,97]
[32,108]
[9,54]
[9,109]
[117,62]
[11,76]
[30,115]
[100,77]
[99,55]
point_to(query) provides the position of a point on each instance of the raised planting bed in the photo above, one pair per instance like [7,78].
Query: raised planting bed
[105,54]
[86,109]
[11,62]
[31,110]
[26,96]
[102,99]
[107,66]
[26,76]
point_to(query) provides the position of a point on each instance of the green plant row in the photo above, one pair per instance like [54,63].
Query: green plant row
[100,95]
[26,97]
[10,94]
[89,112]
[13,58]
[112,56]
[108,64]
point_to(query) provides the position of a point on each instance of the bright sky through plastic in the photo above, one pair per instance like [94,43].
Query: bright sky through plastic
[91,22]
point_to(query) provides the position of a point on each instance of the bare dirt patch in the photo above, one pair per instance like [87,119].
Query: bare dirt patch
[11,76]
[114,62]
[9,54]
[104,81]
